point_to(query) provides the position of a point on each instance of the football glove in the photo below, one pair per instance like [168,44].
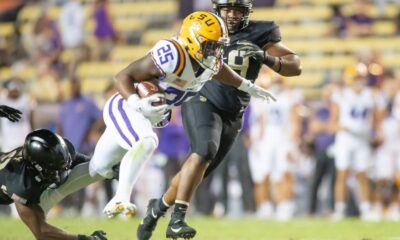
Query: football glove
[254,51]
[144,105]
[96,235]
[256,91]
[10,113]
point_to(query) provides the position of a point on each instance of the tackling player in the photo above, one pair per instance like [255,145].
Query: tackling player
[39,174]
[213,117]
[182,65]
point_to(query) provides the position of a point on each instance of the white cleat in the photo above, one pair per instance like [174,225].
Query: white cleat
[115,208]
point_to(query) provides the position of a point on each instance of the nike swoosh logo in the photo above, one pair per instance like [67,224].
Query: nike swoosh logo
[153,214]
[176,230]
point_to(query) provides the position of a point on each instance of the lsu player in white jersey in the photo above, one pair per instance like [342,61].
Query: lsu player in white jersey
[182,65]
[271,153]
[355,118]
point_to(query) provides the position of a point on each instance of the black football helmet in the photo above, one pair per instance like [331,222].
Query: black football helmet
[50,155]
[246,6]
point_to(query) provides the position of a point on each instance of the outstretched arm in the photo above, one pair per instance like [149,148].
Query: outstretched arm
[34,217]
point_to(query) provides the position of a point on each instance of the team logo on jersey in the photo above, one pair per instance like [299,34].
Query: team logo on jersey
[203,99]
[180,82]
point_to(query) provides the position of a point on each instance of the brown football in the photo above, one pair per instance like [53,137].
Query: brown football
[148,88]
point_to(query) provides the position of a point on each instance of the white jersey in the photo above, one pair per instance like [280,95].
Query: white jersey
[178,80]
[356,110]
[13,133]
[278,117]
[396,106]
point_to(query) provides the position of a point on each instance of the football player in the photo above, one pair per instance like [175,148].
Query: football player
[182,65]
[213,117]
[39,174]
[355,117]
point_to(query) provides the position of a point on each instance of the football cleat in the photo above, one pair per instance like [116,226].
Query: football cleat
[179,229]
[149,222]
[114,208]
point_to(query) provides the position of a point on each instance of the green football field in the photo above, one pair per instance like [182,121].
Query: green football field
[229,229]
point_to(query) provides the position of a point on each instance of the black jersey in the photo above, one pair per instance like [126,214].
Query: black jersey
[20,182]
[228,98]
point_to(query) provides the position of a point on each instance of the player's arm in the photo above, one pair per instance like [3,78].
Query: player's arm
[143,69]
[281,59]
[34,217]
[227,76]
[334,118]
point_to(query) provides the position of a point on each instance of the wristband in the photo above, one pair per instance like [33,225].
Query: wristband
[245,85]
[269,60]
[280,65]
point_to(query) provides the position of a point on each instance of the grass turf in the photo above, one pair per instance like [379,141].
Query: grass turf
[222,229]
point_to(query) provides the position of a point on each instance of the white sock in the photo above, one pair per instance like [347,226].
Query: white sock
[365,207]
[131,166]
[340,207]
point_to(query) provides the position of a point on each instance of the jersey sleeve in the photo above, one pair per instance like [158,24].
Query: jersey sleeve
[169,57]
[267,32]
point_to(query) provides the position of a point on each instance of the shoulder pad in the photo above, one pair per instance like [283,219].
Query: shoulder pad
[169,56]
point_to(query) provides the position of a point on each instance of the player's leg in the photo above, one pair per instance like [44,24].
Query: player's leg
[362,158]
[131,131]
[78,179]
[260,156]
[285,206]
[342,164]
[203,126]
[131,166]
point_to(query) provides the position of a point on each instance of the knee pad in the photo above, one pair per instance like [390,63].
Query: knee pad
[207,150]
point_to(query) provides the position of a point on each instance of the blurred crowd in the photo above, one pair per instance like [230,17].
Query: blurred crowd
[295,157]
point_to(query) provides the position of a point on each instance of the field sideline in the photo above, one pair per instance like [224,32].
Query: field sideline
[223,229]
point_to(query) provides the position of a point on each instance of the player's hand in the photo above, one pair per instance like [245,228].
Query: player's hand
[96,235]
[256,91]
[251,50]
[10,113]
[145,106]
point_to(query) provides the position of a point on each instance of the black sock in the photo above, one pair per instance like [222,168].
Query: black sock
[179,212]
[163,207]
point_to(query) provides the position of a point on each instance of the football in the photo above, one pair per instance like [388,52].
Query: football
[148,88]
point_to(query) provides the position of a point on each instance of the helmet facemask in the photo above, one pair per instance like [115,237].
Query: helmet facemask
[210,53]
[234,24]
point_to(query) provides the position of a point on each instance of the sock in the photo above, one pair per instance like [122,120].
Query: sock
[131,166]
[340,207]
[365,207]
[163,205]
[179,211]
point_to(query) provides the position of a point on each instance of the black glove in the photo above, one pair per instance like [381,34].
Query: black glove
[255,52]
[12,114]
[96,235]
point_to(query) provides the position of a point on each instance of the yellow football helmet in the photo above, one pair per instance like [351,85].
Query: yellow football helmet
[204,35]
